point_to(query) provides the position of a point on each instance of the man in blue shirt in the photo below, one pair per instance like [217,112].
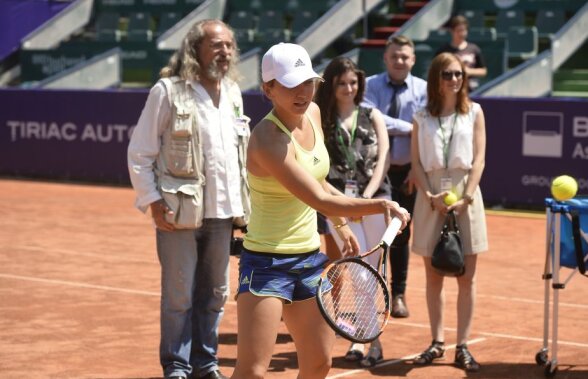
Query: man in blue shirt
[398,95]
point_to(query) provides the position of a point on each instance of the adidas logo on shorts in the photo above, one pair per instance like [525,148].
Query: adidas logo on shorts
[245,280]
[299,63]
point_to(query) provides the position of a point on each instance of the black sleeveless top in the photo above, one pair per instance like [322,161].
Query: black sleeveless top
[354,154]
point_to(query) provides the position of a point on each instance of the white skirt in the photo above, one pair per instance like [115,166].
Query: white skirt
[427,224]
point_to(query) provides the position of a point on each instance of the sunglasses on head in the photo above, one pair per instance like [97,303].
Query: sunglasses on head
[448,75]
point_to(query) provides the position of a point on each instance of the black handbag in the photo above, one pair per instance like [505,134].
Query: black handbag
[447,257]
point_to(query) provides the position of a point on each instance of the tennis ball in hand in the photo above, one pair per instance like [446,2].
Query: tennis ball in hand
[564,187]
[450,198]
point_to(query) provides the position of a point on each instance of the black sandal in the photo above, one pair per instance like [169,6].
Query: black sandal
[464,359]
[373,357]
[353,355]
[435,351]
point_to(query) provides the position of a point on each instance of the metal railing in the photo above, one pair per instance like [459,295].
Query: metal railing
[64,24]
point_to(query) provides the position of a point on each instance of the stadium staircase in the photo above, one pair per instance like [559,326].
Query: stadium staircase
[397,17]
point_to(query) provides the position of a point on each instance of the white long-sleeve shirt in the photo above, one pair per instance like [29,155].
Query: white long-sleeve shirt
[222,198]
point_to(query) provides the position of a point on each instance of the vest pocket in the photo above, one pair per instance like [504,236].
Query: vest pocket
[188,207]
[179,153]
[184,119]
[180,156]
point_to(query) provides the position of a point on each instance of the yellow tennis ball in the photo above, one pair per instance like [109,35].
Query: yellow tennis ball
[564,187]
[450,198]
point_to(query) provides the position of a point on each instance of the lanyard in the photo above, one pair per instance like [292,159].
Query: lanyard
[349,156]
[446,141]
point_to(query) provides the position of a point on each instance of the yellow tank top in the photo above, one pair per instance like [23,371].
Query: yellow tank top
[280,223]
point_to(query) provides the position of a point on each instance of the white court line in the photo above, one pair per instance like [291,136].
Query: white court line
[79,285]
[396,361]
[123,258]
[80,253]
[514,299]
[232,303]
[86,285]
[496,335]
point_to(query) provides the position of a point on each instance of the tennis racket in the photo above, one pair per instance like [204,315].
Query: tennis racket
[353,296]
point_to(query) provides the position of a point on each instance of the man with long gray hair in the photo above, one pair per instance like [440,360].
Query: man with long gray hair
[186,161]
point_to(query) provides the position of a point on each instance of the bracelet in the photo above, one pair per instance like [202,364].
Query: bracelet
[339,226]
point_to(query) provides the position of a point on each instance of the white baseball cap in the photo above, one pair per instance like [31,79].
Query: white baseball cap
[287,63]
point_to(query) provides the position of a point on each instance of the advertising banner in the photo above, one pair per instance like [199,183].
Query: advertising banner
[83,136]
[528,143]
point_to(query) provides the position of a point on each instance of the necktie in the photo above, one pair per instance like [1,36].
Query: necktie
[394,109]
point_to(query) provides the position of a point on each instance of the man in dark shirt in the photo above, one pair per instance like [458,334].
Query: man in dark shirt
[469,53]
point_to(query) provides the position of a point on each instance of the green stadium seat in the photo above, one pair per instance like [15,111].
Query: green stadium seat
[167,21]
[271,27]
[371,60]
[190,5]
[424,55]
[506,19]
[549,21]
[121,6]
[475,18]
[481,34]
[495,57]
[301,21]
[107,27]
[439,35]
[139,28]
[242,24]
[522,42]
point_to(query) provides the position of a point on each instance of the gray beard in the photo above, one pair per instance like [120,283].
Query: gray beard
[212,71]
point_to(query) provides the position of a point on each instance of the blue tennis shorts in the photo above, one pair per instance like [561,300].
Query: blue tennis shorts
[292,277]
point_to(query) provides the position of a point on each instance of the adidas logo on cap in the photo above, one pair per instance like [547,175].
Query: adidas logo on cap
[299,63]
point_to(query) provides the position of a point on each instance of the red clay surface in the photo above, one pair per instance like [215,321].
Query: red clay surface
[79,297]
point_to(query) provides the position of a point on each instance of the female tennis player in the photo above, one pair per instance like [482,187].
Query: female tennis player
[280,264]
[357,142]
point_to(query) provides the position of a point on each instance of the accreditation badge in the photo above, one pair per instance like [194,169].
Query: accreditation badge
[351,189]
[446,184]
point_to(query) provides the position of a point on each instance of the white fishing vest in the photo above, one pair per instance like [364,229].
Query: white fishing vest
[180,164]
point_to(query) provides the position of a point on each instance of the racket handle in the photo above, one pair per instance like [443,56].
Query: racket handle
[391,231]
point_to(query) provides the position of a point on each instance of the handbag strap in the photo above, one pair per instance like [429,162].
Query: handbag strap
[450,222]
[578,241]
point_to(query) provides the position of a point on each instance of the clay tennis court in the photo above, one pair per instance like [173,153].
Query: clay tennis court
[79,297]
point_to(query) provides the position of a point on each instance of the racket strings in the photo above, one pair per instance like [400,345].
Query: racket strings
[357,301]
